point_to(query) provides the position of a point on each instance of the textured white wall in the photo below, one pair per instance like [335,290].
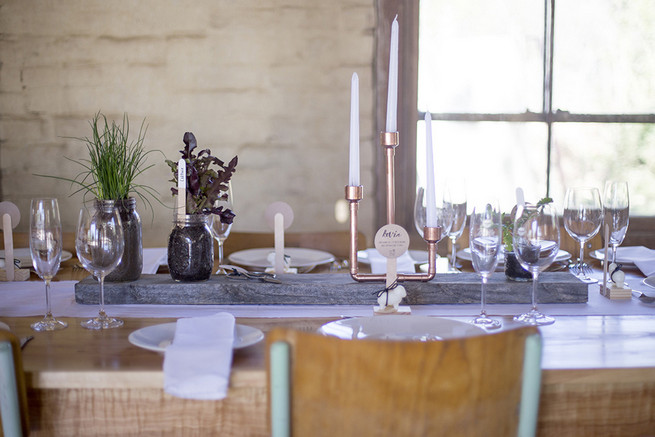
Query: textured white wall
[268,81]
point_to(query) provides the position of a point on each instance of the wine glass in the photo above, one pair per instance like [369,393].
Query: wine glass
[457,192]
[583,215]
[45,250]
[99,244]
[485,235]
[616,207]
[444,212]
[221,230]
[536,243]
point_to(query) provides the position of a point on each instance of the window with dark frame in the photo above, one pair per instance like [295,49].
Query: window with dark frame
[570,99]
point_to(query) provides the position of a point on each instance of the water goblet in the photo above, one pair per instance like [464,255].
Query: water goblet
[485,236]
[583,215]
[99,244]
[458,203]
[616,208]
[536,243]
[221,230]
[45,249]
[444,212]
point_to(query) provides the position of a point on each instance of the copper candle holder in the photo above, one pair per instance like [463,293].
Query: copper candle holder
[355,193]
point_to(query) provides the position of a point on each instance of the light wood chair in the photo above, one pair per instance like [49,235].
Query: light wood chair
[483,385]
[335,242]
[13,395]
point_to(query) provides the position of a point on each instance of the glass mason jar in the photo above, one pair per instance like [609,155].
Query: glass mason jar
[191,248]
[131,264]
[513,269]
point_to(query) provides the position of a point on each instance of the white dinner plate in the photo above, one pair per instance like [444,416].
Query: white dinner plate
[600,256]
[23,256]
[4,326]
[158,337]
[396,327]
[650,281]
[300,257]
[465,254]
[419,256]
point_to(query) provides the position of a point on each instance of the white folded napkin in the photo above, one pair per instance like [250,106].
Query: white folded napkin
[153,257]
[197,364]
[404,264]
[643,257]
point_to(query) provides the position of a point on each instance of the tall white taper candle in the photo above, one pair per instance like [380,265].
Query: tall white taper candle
[353,175]
[430,198]
[392,91]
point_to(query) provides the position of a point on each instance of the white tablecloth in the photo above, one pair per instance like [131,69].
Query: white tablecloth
[18,299]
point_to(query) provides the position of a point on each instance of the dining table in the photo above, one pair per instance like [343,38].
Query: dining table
[598,362]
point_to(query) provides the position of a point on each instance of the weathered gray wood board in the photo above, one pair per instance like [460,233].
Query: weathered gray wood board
[329,289]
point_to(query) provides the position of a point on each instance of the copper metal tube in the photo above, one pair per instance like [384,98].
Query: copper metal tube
[354,194]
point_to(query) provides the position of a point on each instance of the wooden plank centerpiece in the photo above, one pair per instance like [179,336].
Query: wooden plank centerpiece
[329,289]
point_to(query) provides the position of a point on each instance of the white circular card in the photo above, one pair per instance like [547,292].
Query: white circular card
[392,241]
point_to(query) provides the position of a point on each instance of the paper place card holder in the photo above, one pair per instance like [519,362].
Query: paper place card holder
[10,218]
[279,216]
[617,289]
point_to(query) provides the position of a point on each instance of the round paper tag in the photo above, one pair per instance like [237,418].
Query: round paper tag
[391,241]
[12,210]
[278,207]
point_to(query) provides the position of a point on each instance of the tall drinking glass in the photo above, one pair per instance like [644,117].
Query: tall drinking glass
[444,212]
[485,236]
[616,207]
[536,243]
[221,230]
[457,191]
[99,244]
[45,250]
[583,215]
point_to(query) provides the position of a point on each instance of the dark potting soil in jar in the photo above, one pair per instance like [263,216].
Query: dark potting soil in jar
[513,269]
[190,251]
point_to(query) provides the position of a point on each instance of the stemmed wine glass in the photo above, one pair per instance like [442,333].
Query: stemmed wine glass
[444,212]
[221,230]
[45,249]
[458,203]
[616,206]
[99,244]
[583,215]
[536,243]
[485,235]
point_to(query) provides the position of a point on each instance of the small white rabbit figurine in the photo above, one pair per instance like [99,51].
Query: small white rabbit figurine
[390,300]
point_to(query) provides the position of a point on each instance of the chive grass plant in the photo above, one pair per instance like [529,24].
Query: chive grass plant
[114,162]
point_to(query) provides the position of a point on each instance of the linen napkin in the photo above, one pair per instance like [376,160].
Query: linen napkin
[197,364]
[643,257]
[404,264]
[153,257]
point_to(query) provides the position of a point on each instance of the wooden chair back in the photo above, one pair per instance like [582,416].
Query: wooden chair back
[469,386]
[13,395]
[335,242]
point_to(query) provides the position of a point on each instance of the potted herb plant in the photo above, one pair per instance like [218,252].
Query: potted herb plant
[513,269]
[109,174]
[190,244]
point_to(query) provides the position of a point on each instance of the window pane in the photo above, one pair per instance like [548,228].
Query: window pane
[480,56]
[589,154]
[493,157]
[603,56]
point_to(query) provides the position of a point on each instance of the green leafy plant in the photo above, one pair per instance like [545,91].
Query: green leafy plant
[114,162]
[207,180]
[508,224]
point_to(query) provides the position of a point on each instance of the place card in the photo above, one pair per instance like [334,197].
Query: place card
[391,241]
[279,216]
[10,217]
